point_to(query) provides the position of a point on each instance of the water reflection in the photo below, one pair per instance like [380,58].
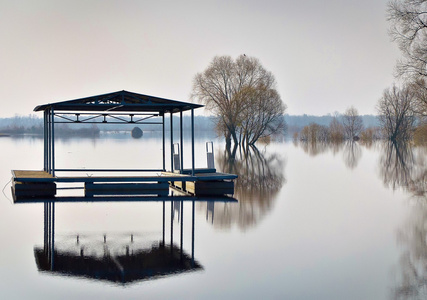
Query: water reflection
[351,150]
[411,281]
[121,258]
[403,166]
[352,153]
[316,148]
[260,178]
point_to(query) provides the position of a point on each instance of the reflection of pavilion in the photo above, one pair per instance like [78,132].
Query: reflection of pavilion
[122,261]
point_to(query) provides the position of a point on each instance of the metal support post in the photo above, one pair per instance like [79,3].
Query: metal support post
[49,143]
[181,142]
[163,135]
[171,135]
[53,142]
[182,227]
[192,142]
[45,142]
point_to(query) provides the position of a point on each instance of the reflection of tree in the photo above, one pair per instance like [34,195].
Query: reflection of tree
[412,280]
[351,150]
[352,154]
[314,148]
[260,179]
[406,167]
[397,163]
[418,185]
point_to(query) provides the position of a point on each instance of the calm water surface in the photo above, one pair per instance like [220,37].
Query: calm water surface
[312,222]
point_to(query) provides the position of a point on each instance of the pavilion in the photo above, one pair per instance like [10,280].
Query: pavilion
[122,107]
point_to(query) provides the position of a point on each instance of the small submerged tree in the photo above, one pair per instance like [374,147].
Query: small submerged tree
[336,130]
[353,123]
[243,97]
[315,133]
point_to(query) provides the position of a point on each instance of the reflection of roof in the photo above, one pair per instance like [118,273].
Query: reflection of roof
[141,265]
[120,101]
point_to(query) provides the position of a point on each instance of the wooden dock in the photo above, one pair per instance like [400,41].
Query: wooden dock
[208,184]
[39,183]
[30,183]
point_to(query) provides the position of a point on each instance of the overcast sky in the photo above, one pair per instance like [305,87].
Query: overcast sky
[326,55]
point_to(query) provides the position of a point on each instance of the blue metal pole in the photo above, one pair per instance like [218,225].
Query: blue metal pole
[181,142]
[53,142]
[164,153]
[182,227]
[171,125]
[192,141]
[45,164]
[49,142]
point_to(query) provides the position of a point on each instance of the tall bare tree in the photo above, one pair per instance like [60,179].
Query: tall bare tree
[352,122]
[409,30]
[241,94]
[395,113]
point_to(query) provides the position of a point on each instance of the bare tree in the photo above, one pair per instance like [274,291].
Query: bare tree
[419,88]
[353,123]
[241,94]
[409,30]
[395,113]
[315,133]
[336,130]
[262,113]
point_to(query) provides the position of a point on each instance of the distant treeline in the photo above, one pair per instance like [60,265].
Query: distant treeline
[33,124]
[297,123]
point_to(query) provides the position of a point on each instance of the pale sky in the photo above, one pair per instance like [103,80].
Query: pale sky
[326,55]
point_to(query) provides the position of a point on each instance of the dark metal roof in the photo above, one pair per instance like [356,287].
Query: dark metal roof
[120,101]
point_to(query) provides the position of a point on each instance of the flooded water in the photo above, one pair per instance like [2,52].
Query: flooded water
[311,222]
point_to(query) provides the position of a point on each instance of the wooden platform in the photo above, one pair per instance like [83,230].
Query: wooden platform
[30,183]
[41,176]
[31,174]
[204,183]
[33,189]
